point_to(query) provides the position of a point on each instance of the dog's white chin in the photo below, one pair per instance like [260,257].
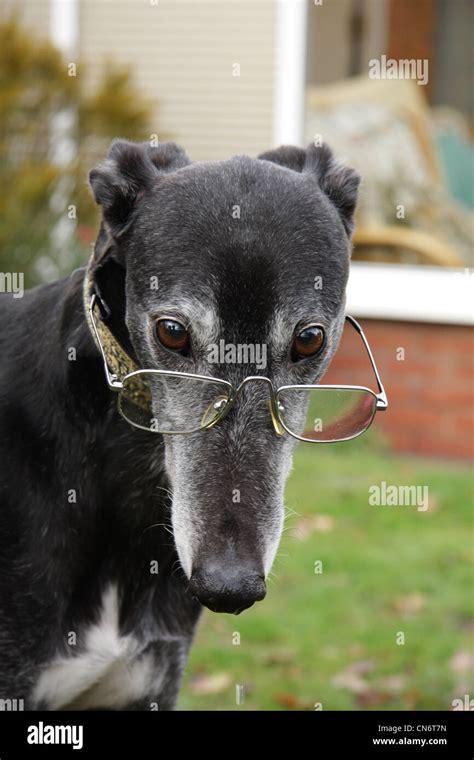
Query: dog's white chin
[184,557]
[272,548]
[186,564]
[183,532]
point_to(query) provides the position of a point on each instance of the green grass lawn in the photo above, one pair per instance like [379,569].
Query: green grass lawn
[389,573]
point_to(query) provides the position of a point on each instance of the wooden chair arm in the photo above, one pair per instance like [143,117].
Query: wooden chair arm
[429,248]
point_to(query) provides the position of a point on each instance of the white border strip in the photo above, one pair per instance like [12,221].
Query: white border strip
[64,25]
[290,72]
[411,293]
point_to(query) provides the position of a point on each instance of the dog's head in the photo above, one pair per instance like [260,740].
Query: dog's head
[203,256]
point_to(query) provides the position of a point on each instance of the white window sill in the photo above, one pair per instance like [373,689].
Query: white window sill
[411,293]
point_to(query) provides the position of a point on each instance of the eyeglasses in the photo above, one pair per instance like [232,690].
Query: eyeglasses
[190,403]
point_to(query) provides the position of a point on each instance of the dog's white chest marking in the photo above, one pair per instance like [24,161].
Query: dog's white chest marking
[109,672]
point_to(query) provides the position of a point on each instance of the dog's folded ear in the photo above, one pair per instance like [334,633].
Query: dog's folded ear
[337,181]
[129,170]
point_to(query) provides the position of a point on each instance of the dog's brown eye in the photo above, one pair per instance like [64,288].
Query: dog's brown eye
[172,335]
[307,342]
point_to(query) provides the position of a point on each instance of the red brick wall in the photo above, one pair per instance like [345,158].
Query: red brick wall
[411,32]
[431,391]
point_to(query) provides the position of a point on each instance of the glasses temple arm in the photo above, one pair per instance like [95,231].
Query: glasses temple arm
[112,379]
[382,401]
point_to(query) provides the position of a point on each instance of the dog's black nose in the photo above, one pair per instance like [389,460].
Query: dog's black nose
[223,590]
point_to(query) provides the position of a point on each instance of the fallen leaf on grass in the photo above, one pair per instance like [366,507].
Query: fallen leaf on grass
[410,604]
[292,702]
[362,667]
[350,681]
[466,623]
[281,657]
[351,678]
[356,650]
[462,662]
[411,698]
[312,524]
[214,683]
[393,683]
[289,701]
[373,698]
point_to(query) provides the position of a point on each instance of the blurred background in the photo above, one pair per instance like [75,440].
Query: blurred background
[389,85]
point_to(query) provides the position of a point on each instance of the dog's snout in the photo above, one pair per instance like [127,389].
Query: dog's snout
[221,590]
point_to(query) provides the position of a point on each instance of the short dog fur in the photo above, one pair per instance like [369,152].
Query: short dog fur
[83,622]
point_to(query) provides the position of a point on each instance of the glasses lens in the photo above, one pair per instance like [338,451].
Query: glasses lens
[164,403]
[326,414]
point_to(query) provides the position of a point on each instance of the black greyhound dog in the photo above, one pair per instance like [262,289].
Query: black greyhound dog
[112,538]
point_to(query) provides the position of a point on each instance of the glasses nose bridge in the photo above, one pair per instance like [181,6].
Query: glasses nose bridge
[253,378]
[271,401]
